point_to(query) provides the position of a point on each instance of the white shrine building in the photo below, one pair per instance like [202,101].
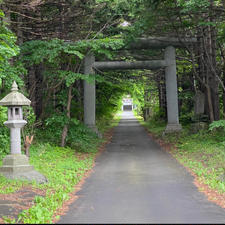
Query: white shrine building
[127,103]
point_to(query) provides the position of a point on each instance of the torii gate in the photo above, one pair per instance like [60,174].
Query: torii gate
[169,63]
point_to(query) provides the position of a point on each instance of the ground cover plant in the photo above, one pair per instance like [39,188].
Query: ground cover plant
[202,152]
[64,167]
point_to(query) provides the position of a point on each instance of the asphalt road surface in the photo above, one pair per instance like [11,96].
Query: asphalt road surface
[135,181]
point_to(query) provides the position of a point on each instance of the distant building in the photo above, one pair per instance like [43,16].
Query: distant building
[127,103]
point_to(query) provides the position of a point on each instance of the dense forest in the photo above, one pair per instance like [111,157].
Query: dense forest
[43,44]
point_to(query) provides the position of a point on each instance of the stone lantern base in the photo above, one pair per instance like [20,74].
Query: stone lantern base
[170,128]
[16,166]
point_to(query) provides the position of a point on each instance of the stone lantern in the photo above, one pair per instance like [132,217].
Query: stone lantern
[16,165]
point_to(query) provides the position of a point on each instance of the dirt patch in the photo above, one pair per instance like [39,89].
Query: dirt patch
[211,194]
[14,203]
[81,156]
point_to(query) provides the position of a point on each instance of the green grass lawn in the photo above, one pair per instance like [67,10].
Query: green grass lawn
[63,167]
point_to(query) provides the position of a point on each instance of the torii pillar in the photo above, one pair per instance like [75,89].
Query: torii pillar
[89,94]
[171,91]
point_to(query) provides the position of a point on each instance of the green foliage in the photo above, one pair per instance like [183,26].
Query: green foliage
[36,52]
[8,73]
[29,116]
[107,122]
[8,220]
[8,49]
[64,169]
[154,125]
[193,5]
[204,154]
[102,47]
[108,99]
[52,129]
[4,133]
[3,114]
[82,138]
[56,51]
[9,186]
[52,54]
[61,62]
[79,136]
[217,124]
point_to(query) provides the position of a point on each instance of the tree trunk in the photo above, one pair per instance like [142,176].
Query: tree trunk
[207,68]
[210,105]
[213,80]
[68,107]
[32,86]
[162,94]
[39,90]
[224,84]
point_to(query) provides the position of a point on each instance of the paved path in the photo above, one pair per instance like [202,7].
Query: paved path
[135,181]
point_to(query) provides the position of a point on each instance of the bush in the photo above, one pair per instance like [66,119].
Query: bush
[220,124]
[82,138]
[186,118]
[4,133]
[29,116]
[51,130]
[79,136]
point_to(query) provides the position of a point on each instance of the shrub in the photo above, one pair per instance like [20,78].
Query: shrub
[4,133]
[217,124]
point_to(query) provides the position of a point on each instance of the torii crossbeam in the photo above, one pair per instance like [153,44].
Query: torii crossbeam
[169,63]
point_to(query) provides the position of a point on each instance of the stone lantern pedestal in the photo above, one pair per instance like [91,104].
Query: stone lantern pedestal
[16,165]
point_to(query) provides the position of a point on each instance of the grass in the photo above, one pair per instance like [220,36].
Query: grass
[106,123]
[202,152]
[10,186]
[63,167]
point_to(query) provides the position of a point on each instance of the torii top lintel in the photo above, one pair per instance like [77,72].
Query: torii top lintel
[161,42]
[146,43]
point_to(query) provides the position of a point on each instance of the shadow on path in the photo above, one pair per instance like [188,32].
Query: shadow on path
[135,181]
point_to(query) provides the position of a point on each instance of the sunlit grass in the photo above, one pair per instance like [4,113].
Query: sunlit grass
[63,170]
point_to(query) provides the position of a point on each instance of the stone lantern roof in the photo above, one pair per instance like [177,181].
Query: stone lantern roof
[14,98]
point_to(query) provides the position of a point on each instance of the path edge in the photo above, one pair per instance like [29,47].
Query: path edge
[211,194]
